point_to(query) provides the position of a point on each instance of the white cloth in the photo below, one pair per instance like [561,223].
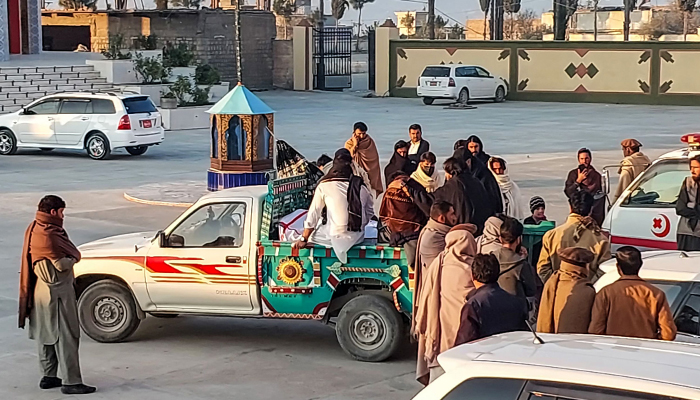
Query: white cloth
[414,148]
[430,183]
[333,195]
[513,203]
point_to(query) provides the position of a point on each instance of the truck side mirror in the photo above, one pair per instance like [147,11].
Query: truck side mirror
[162,240]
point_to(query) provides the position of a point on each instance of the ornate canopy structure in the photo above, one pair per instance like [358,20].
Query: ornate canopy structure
[242,140]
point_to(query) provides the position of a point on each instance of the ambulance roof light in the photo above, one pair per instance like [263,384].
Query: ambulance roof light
[692,139]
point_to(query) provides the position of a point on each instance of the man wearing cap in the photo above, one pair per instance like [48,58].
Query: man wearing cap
[631,306]
[568,296]
[634,163]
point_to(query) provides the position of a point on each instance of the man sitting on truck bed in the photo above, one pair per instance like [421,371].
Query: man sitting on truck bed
[341,208]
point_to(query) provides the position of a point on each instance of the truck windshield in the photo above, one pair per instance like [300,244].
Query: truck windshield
[660,185]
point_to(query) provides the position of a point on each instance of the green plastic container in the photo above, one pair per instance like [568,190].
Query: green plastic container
[532,239]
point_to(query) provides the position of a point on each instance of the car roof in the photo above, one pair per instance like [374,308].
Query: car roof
[665,265]
[680,154]
[642,359]
[254,191]
[451,65]
[97,95]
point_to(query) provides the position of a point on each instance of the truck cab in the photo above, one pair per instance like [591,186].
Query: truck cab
[644,215]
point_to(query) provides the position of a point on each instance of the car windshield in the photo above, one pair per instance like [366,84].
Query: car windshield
[671,289]
[660,185]
[436,72]
[139,105]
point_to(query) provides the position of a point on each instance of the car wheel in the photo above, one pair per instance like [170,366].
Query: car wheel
[428,100]
[500,95]
[107,312]
[97,146]
[8,142]
[369,328]
[136,150]
[463,97]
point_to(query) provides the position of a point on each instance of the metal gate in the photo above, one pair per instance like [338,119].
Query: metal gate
[332,58]
[371,59]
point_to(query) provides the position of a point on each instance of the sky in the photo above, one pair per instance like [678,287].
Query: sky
[453,10]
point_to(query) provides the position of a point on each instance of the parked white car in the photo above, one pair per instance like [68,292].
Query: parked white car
[513,366]
[96,122]
[677,273]
[461,83]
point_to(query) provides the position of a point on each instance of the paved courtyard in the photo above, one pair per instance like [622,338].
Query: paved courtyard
[204,357]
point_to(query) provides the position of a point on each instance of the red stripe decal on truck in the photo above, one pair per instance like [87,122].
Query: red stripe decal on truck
[649,243]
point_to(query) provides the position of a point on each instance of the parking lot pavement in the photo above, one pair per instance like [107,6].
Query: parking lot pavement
[204,357]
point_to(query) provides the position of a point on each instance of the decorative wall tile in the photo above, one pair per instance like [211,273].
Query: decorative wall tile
[4,32]
[34,25]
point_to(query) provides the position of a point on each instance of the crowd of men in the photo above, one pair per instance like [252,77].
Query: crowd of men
[463,238]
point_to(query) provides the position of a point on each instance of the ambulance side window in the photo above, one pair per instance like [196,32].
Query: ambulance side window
[659,186]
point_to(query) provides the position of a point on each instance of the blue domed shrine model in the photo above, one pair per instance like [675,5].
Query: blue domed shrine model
[242,141]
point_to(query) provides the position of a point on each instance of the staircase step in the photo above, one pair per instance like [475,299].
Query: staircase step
[41,81]
[45,70]
[9,70]
[90,75]
[70,74]
[83,68]
[76,80]
[83,86]
[9,109]
[10,89]
[102,86]
[96,80]
[18,82]
[64,87]
[57,81]
[7,102]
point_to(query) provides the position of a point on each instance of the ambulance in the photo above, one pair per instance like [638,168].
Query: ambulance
[645,214]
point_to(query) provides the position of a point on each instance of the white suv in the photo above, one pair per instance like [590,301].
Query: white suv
[96,122]
[460,82]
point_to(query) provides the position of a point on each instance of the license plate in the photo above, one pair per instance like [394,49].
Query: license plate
[146,123]
[433,83]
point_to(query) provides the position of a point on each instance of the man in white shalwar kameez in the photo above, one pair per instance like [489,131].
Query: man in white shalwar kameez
[342,225]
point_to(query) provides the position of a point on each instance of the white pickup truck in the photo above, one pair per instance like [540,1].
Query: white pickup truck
[217,259]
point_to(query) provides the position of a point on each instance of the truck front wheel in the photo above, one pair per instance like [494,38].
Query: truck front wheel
[107,312]
[369,328]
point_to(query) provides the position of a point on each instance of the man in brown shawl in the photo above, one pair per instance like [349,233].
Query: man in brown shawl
[47,297]
[364,152]
[568,296]
[447,285]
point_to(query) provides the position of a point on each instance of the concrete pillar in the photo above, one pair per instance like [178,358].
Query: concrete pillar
[385,34]
[34,26]
[303,53]
[4,33]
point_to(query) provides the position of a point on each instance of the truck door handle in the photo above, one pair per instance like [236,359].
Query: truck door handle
[233,259]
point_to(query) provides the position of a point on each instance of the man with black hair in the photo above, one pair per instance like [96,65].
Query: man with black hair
[418,146]
[426,174]
[364,151]
[579,230]
[490,310]
[517,276]
[47,297]
[466,194]
[688,208]
[631,306]
[585,178]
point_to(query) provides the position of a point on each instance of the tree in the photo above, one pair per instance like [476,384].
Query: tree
[186,3]
[338,8]
[525,25]
[315,17]
[455,32]
[78,4]
[686,7]
[285,9]
[485,7]
[511,7]
[673,21]
[563,10]
[407,22]
[359,5]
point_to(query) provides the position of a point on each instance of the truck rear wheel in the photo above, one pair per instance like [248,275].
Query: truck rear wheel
[107,312]
[369,328]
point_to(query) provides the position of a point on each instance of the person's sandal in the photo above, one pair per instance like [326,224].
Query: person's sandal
[78,389]
[50,382]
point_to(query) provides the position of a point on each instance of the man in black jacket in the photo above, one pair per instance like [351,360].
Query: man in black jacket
[490,310]
[466,194]
[418,145]
[688,208]
[482,174]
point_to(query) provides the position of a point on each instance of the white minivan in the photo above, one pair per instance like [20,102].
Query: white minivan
[461,83]
[96,122]
[645,214]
